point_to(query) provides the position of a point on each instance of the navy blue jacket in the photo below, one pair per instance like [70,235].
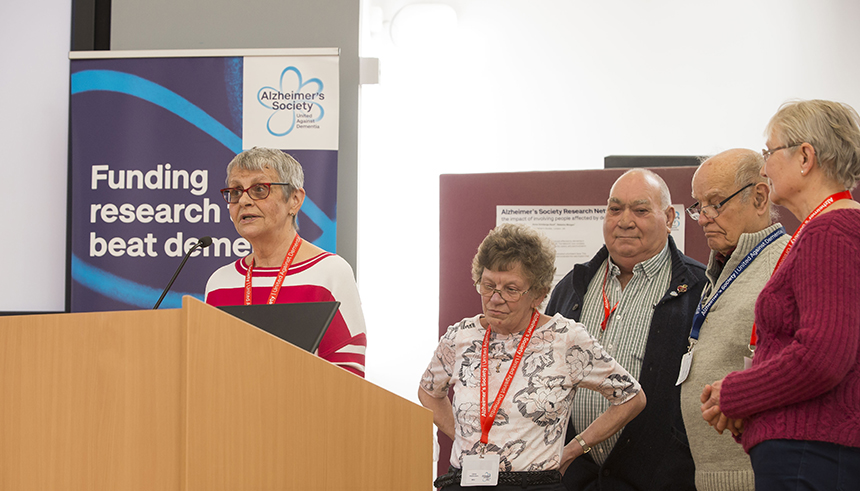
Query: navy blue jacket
[652,452]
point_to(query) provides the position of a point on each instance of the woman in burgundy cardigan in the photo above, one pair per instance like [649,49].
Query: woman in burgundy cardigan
[796,410]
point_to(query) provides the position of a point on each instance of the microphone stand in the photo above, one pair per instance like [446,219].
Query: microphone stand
[203,243]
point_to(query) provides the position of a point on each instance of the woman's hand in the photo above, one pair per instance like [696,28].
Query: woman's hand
[443,412]
[571,451]
[606,425]
[736,426]
[711,403]
[713,415]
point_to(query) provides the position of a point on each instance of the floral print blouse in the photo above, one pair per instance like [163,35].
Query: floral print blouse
[528,432]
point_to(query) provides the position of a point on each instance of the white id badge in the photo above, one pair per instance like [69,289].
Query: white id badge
[686,360]
[747,362]
[480,471]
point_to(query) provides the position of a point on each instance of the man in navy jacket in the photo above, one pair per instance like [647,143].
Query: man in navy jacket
[637,296]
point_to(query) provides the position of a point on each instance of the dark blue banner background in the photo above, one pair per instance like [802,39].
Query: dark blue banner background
[144,115]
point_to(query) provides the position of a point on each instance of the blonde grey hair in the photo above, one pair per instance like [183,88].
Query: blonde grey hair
[833,130]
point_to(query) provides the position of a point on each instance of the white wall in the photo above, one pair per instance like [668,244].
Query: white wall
[559,84]
[34,108]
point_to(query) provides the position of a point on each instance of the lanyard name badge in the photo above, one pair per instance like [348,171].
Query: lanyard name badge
[702,310]
[276,288]
[483,469]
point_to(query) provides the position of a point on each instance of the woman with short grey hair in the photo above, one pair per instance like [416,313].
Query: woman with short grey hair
[265,191]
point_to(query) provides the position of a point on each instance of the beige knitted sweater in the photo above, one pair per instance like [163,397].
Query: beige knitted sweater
[721,463]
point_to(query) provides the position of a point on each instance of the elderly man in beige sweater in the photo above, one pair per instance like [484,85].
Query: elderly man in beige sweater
[733,209]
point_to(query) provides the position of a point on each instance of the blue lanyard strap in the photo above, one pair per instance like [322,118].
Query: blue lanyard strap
[702,310]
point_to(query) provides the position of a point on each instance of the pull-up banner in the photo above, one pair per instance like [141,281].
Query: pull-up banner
[151,136]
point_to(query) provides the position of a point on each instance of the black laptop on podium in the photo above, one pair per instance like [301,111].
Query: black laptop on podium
[300,324]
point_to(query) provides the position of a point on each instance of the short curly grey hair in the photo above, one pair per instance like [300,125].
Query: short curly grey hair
[510,244]
[833,130]
[261,158]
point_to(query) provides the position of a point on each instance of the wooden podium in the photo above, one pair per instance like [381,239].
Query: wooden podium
[193,399]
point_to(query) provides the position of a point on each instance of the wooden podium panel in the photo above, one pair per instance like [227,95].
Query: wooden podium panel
[90,401]
[193,399]
[272,416]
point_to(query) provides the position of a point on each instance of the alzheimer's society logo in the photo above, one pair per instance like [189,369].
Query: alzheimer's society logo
[290,102]
[295,103]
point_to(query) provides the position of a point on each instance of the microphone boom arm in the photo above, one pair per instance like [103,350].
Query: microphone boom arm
[204,242]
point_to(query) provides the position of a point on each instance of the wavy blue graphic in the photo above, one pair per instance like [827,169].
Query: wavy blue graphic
[125,290]
[126,83]
[118,288]
[327,240]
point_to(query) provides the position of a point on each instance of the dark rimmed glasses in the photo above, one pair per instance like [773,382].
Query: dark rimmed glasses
[767,153]
[256,191]
[508,294]
[712,211]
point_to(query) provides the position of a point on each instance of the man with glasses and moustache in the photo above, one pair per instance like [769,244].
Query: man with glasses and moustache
[637,296]
[734,211]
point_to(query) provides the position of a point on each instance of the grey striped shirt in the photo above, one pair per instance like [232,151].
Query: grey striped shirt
[626,330]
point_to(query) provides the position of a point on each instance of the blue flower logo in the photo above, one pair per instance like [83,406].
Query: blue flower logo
[291,108]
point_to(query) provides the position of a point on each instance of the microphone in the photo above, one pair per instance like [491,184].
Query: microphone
[203,243]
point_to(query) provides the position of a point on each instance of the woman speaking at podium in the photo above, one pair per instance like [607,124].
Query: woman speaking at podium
[265,192]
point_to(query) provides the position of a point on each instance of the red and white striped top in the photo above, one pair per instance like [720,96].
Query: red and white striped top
[323,278]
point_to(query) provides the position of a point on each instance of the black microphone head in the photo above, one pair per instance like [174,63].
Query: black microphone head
[205,242]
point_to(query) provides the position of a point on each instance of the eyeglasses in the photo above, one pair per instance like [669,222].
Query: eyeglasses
[256,191]
[767,153]
[712,211]
[508,294]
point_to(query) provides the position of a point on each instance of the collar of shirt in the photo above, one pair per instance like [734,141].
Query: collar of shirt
[723,258]
[649,267]
[718,271]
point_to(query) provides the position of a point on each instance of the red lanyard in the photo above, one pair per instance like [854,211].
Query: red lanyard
[276,288]
[827,202]
[823,206]
[607,312]
[487,419]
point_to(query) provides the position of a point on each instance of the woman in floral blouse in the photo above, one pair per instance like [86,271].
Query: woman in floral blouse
[533,364]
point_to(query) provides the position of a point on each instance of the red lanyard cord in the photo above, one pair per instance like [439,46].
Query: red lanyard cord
[607,311]
[276,288]
[488,416]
